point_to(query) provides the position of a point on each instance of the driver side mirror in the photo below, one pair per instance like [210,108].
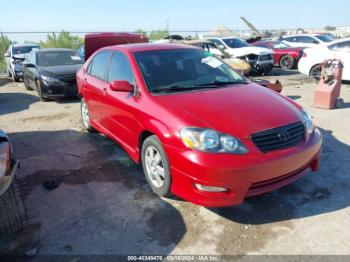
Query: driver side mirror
[222,46]
[316,42]
[122,86]
[6,55]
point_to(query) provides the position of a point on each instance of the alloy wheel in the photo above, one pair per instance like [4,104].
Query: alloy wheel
[85,114]
[154,166]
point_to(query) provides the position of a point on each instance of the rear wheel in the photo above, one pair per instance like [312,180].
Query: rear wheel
[287,62]
[315,72]
[85,116]
[156,166]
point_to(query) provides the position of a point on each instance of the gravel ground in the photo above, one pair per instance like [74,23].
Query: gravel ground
[104,206]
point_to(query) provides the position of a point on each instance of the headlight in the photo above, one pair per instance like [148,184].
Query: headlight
[5,157]
[309,124]
[51,80]
[208,140]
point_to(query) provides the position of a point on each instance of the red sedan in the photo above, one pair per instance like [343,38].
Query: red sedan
[284,56]
[200,130]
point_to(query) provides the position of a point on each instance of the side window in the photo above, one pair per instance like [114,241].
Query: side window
[263,45]
[99,65]
[311,40]
[216,42]
[89,67]
[290,39]
[297,39]
[120,68]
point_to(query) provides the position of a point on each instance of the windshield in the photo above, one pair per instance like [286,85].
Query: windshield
[235,42]
[280,45]
[22,49]
[323,38]
[56,58]
[184,69]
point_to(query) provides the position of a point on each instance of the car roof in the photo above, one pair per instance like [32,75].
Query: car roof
[226,37]
[145,47]
[20,45]
[52,50]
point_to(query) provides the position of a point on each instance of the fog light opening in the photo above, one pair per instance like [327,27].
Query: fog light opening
[210,188]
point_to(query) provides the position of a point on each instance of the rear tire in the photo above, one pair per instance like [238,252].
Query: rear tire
[287,62]
[14,78]
[315,72]
[85,116]
[156,166]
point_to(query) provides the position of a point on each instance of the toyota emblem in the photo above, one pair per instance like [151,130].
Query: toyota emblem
[284,135]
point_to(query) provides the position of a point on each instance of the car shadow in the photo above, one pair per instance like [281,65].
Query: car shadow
[101,203]
[280,72]
[16,102]
[326,191]
[294,97]
[4,81]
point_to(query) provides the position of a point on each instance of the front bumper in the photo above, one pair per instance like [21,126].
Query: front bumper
[242,175]
[6,180]
[59,90]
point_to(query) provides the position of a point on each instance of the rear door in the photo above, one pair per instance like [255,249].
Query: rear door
[95,86]
[122,106]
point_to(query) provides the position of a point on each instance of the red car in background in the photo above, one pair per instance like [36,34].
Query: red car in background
[194,123]
[284,56]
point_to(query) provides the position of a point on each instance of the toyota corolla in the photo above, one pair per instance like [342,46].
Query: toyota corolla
[200,130]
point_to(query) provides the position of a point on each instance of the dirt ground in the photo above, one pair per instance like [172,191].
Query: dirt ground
[104,205]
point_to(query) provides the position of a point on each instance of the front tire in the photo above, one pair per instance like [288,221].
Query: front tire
[156,166]
[26,85]
[287,62]
[40,91]
[85,116]
[14,78]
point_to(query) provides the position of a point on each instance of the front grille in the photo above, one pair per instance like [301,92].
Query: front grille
[70,79]
[266,57]
[280,137]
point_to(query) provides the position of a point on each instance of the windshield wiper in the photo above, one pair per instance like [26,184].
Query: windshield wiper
[224,83]
[176,88]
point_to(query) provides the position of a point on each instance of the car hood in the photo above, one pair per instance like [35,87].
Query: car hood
[60,70]
[236,110]
[243,51]
[20,56]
